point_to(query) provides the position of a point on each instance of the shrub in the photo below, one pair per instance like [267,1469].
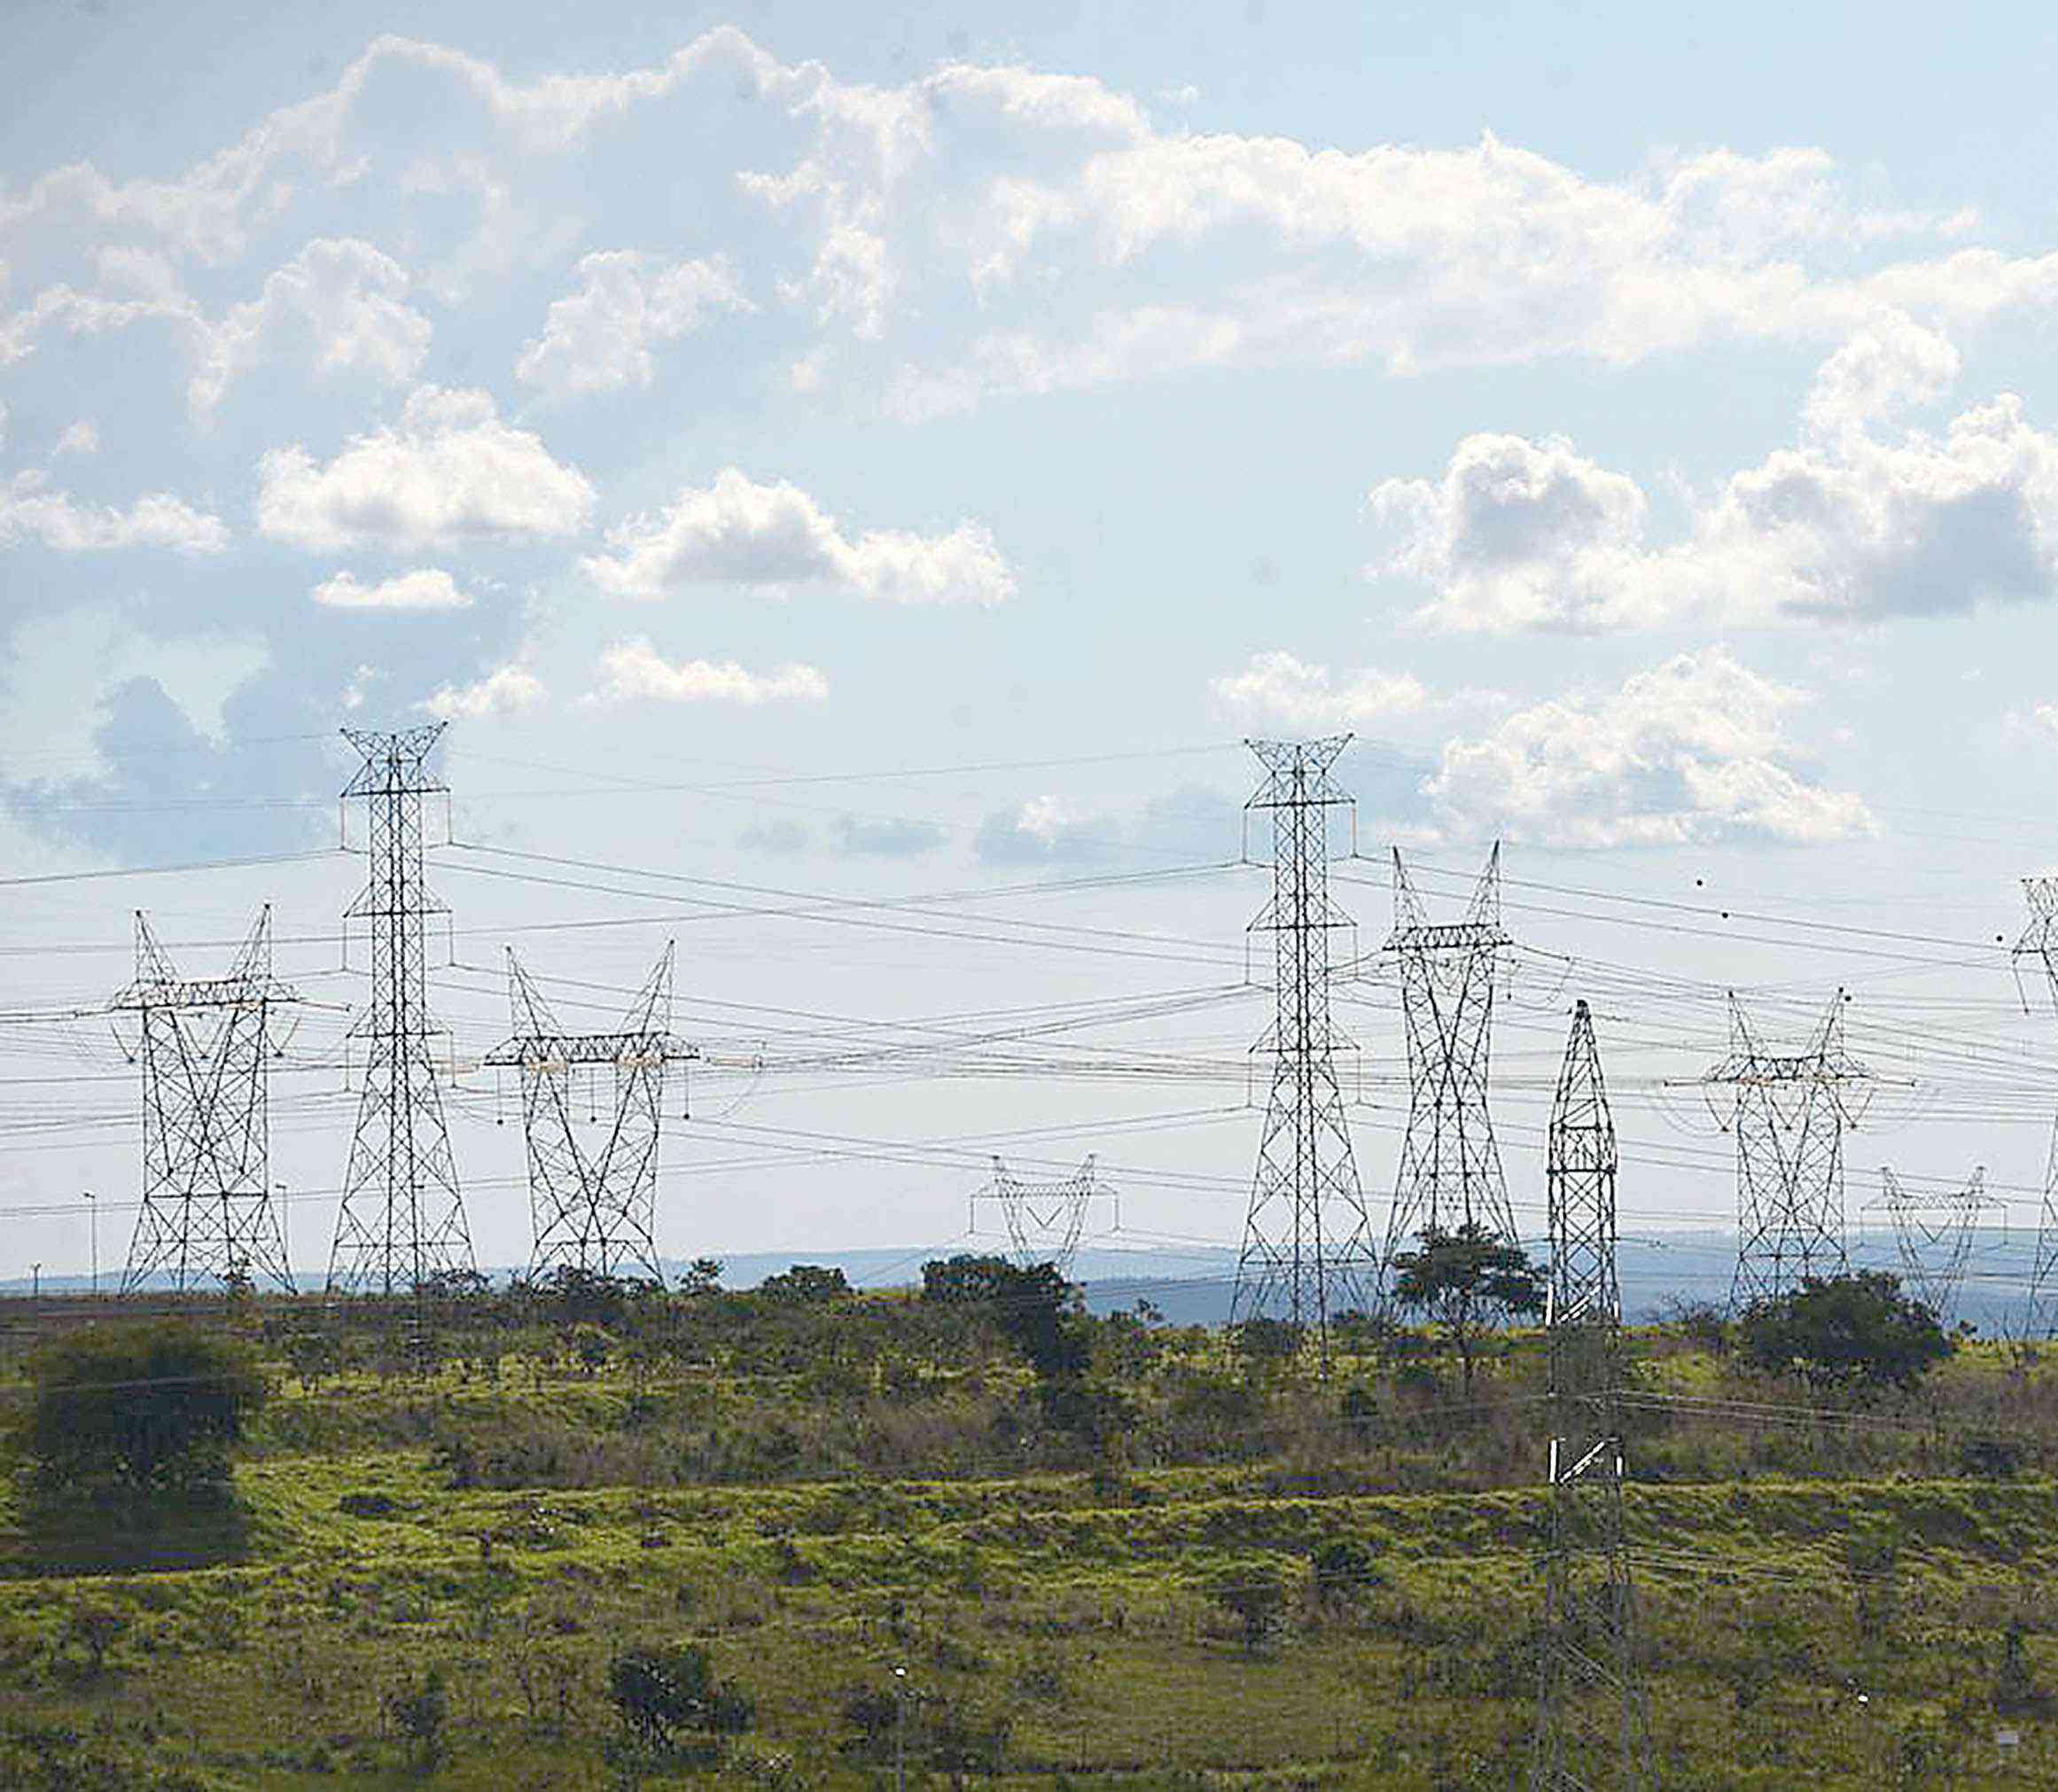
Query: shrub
[1848,1331]
[659,1692]
[140,1411]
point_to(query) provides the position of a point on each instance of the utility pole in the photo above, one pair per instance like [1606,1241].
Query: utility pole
[1307,1252]
[1789,1114]
[900,1729]
[93,1235]
[1593,1729]
[402,1223]
[36,1281]
[205,1046]
[1450,1175]
[593,1207]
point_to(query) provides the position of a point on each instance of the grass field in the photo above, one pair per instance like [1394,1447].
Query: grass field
[1825,1601]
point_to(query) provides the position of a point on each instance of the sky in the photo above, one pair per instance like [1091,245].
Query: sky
[851,482]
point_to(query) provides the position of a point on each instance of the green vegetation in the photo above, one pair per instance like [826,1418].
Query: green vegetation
[584,1538]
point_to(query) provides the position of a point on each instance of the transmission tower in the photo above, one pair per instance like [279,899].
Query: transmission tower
[2039,941]
[1045,1219]
[1592,1730]
[1933,1234]
[1790,1111]
[1450,1166]
[205,1046]
[402,1223]
[594,1204]
[1307,1245]
[2041,1308]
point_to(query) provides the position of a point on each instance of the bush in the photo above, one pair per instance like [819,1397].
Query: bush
[142,1411]
[659,1692]
[1847,1331]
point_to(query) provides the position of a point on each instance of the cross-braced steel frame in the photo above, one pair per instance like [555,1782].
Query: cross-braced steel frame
[593,1203]
[2039,941]
[1592,1728]
[1307,1252]
[402,1223]
[1046,1218]
[1933,1236]
[1450,1175]
[205,1047]
[1791,1113]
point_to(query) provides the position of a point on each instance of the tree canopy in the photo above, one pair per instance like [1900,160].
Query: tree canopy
[1465,1281]
[1850,1331]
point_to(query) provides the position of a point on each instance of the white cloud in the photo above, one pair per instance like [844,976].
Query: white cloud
[337,306]
[507,689]
[599,338]
[30,507]
[1276,689]
[426,588]
[633,670]
[79,438]
[452,472]
[739,532]
[1692,751]
[1517,535]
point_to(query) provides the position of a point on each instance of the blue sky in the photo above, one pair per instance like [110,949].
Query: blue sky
[900,457]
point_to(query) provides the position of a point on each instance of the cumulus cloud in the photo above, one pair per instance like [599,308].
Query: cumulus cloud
[1276,689]
[1848,525]
[506,690]
[599,338]
[633,670]
[1049,831]
[452,472]
[337,306]
[427,588]
[1691,751]
[79,438]
[739,532]
[30,507]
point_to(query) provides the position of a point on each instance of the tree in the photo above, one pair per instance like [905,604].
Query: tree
[1259,1593]
[1466,1279]
[658,1692]
[1857,1331]
[140,1411]
[1035,1308]
[420,1712]
[806,1283]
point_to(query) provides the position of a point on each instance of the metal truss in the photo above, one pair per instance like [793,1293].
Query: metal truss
[402,1223]
[205,1047]
[593,1203]
[1933,1236]
[1592,1726]
[1789,1114]
[1450,1175]
[1045,1219]
[2040,1309]
[1307,1252]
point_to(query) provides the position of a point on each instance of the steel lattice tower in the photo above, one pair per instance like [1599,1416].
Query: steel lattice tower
[593,1207]
[1933,1236]
[402,1223]
[2041,1308]
[1045,1219]
[1307,1245]
[1791,1111]
[1450,1173]
[205,1046]
[2039,941]
[1593,1730]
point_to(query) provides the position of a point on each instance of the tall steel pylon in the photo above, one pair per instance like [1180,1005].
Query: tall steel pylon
[1790,1112]
[205,1046]
[1450,1175]
[402,1223]
[2039,941]
[1592,1728]
[594,1204]
[2039,1317]
[1933,1236]
[1045,1219]
[1307,1250]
